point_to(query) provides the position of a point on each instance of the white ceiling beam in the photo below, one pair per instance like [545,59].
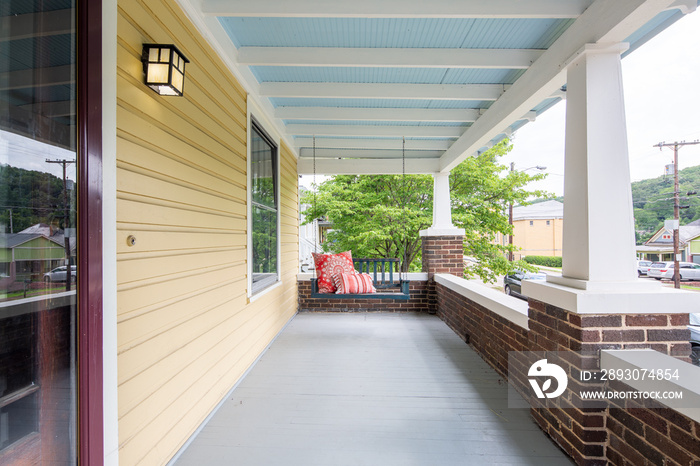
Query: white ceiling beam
[25,26]
[388,57]
[376,114]
[375,131]
[397,8]
[487,92]
[605,21]
[36,77]
[393,144]
[325,153]
[392,166]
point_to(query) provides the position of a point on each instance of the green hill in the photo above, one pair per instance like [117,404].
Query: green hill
[653,201]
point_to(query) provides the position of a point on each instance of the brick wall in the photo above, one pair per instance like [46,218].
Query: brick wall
[420,301]
[640,435]
[626,434]
[443,254]
[586,433]
[491,335]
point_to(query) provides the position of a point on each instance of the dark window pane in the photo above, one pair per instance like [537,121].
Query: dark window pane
[264,211]
[38,243]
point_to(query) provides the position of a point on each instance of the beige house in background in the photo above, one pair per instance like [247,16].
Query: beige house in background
[537,229]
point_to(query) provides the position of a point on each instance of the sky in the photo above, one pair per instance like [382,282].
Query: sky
[662,103]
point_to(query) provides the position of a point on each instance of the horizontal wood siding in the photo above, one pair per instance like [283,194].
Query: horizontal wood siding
[186,329]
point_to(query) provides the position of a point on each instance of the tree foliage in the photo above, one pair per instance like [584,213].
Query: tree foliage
[382,215]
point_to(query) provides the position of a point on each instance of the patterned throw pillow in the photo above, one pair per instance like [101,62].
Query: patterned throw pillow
[328,265]
[354,283]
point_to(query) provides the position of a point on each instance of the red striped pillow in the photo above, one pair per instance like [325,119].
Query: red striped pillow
[354,283]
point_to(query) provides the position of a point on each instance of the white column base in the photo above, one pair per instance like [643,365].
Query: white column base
[442,231]
[631,297]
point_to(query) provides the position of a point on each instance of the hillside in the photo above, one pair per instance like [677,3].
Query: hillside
[653,201]
[32,197]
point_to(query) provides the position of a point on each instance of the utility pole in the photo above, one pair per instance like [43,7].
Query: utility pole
[676,207]
[66,217]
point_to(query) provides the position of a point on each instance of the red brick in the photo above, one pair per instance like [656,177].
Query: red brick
[646,320]
[678,319]
[601,321]
[685,440]
[668,447]
[668,335]
[623,335]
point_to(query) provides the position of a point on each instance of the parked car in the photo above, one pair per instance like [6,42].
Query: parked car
[59,274]
[664,271]
[643,267]
[694,326]
[512,283]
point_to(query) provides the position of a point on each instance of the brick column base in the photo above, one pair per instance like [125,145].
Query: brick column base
[583,433]
[443,254]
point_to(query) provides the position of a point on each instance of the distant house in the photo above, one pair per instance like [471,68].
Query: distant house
[660,246]
[537,229]
[27,255]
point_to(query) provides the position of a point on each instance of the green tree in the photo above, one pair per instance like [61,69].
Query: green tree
[381,216]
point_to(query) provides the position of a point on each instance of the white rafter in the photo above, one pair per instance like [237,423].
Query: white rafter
[325,153]
[605,21]
[383,91]
[388,57]
[391,166]
[376,131]
[393,144]
[397,8]
[376,114]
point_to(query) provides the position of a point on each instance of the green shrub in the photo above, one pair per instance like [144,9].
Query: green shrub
[547,261]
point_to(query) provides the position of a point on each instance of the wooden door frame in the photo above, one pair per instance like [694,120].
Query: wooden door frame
[90,300]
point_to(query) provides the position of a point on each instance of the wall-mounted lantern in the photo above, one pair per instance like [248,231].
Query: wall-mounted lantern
[164,67]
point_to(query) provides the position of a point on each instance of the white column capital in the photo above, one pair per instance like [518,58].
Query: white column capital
[617,48]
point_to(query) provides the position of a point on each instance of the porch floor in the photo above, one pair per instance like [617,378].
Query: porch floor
[370,389]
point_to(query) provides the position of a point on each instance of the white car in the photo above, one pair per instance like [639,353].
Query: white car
[59,274]
[643,267]
[664,271]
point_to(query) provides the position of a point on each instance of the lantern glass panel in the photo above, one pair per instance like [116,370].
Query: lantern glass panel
[157,73]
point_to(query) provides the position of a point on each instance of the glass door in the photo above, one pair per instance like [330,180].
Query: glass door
[38,240]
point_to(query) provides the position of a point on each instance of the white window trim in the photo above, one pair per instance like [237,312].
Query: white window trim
[254,111]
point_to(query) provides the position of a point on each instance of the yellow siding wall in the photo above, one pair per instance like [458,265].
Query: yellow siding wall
[538,239]
[185,327]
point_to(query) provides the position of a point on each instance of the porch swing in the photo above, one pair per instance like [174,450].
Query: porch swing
[381,270]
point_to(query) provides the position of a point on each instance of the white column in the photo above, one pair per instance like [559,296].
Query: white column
[442,209]
[599,270]
[598,238]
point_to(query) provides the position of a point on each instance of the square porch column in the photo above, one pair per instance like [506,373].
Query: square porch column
[442,244]
[598,302]
[598,251]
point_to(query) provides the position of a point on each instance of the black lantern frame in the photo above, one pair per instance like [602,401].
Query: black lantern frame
[164,68]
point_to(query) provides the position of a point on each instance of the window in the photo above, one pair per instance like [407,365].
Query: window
[547,222]
[264,212]
[532,223]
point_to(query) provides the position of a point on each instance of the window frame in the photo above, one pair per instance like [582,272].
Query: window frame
[257,118]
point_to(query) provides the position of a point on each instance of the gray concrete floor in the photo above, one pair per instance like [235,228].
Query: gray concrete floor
[370,389]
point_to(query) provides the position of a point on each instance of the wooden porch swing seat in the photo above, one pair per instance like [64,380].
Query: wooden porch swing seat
[382,276]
